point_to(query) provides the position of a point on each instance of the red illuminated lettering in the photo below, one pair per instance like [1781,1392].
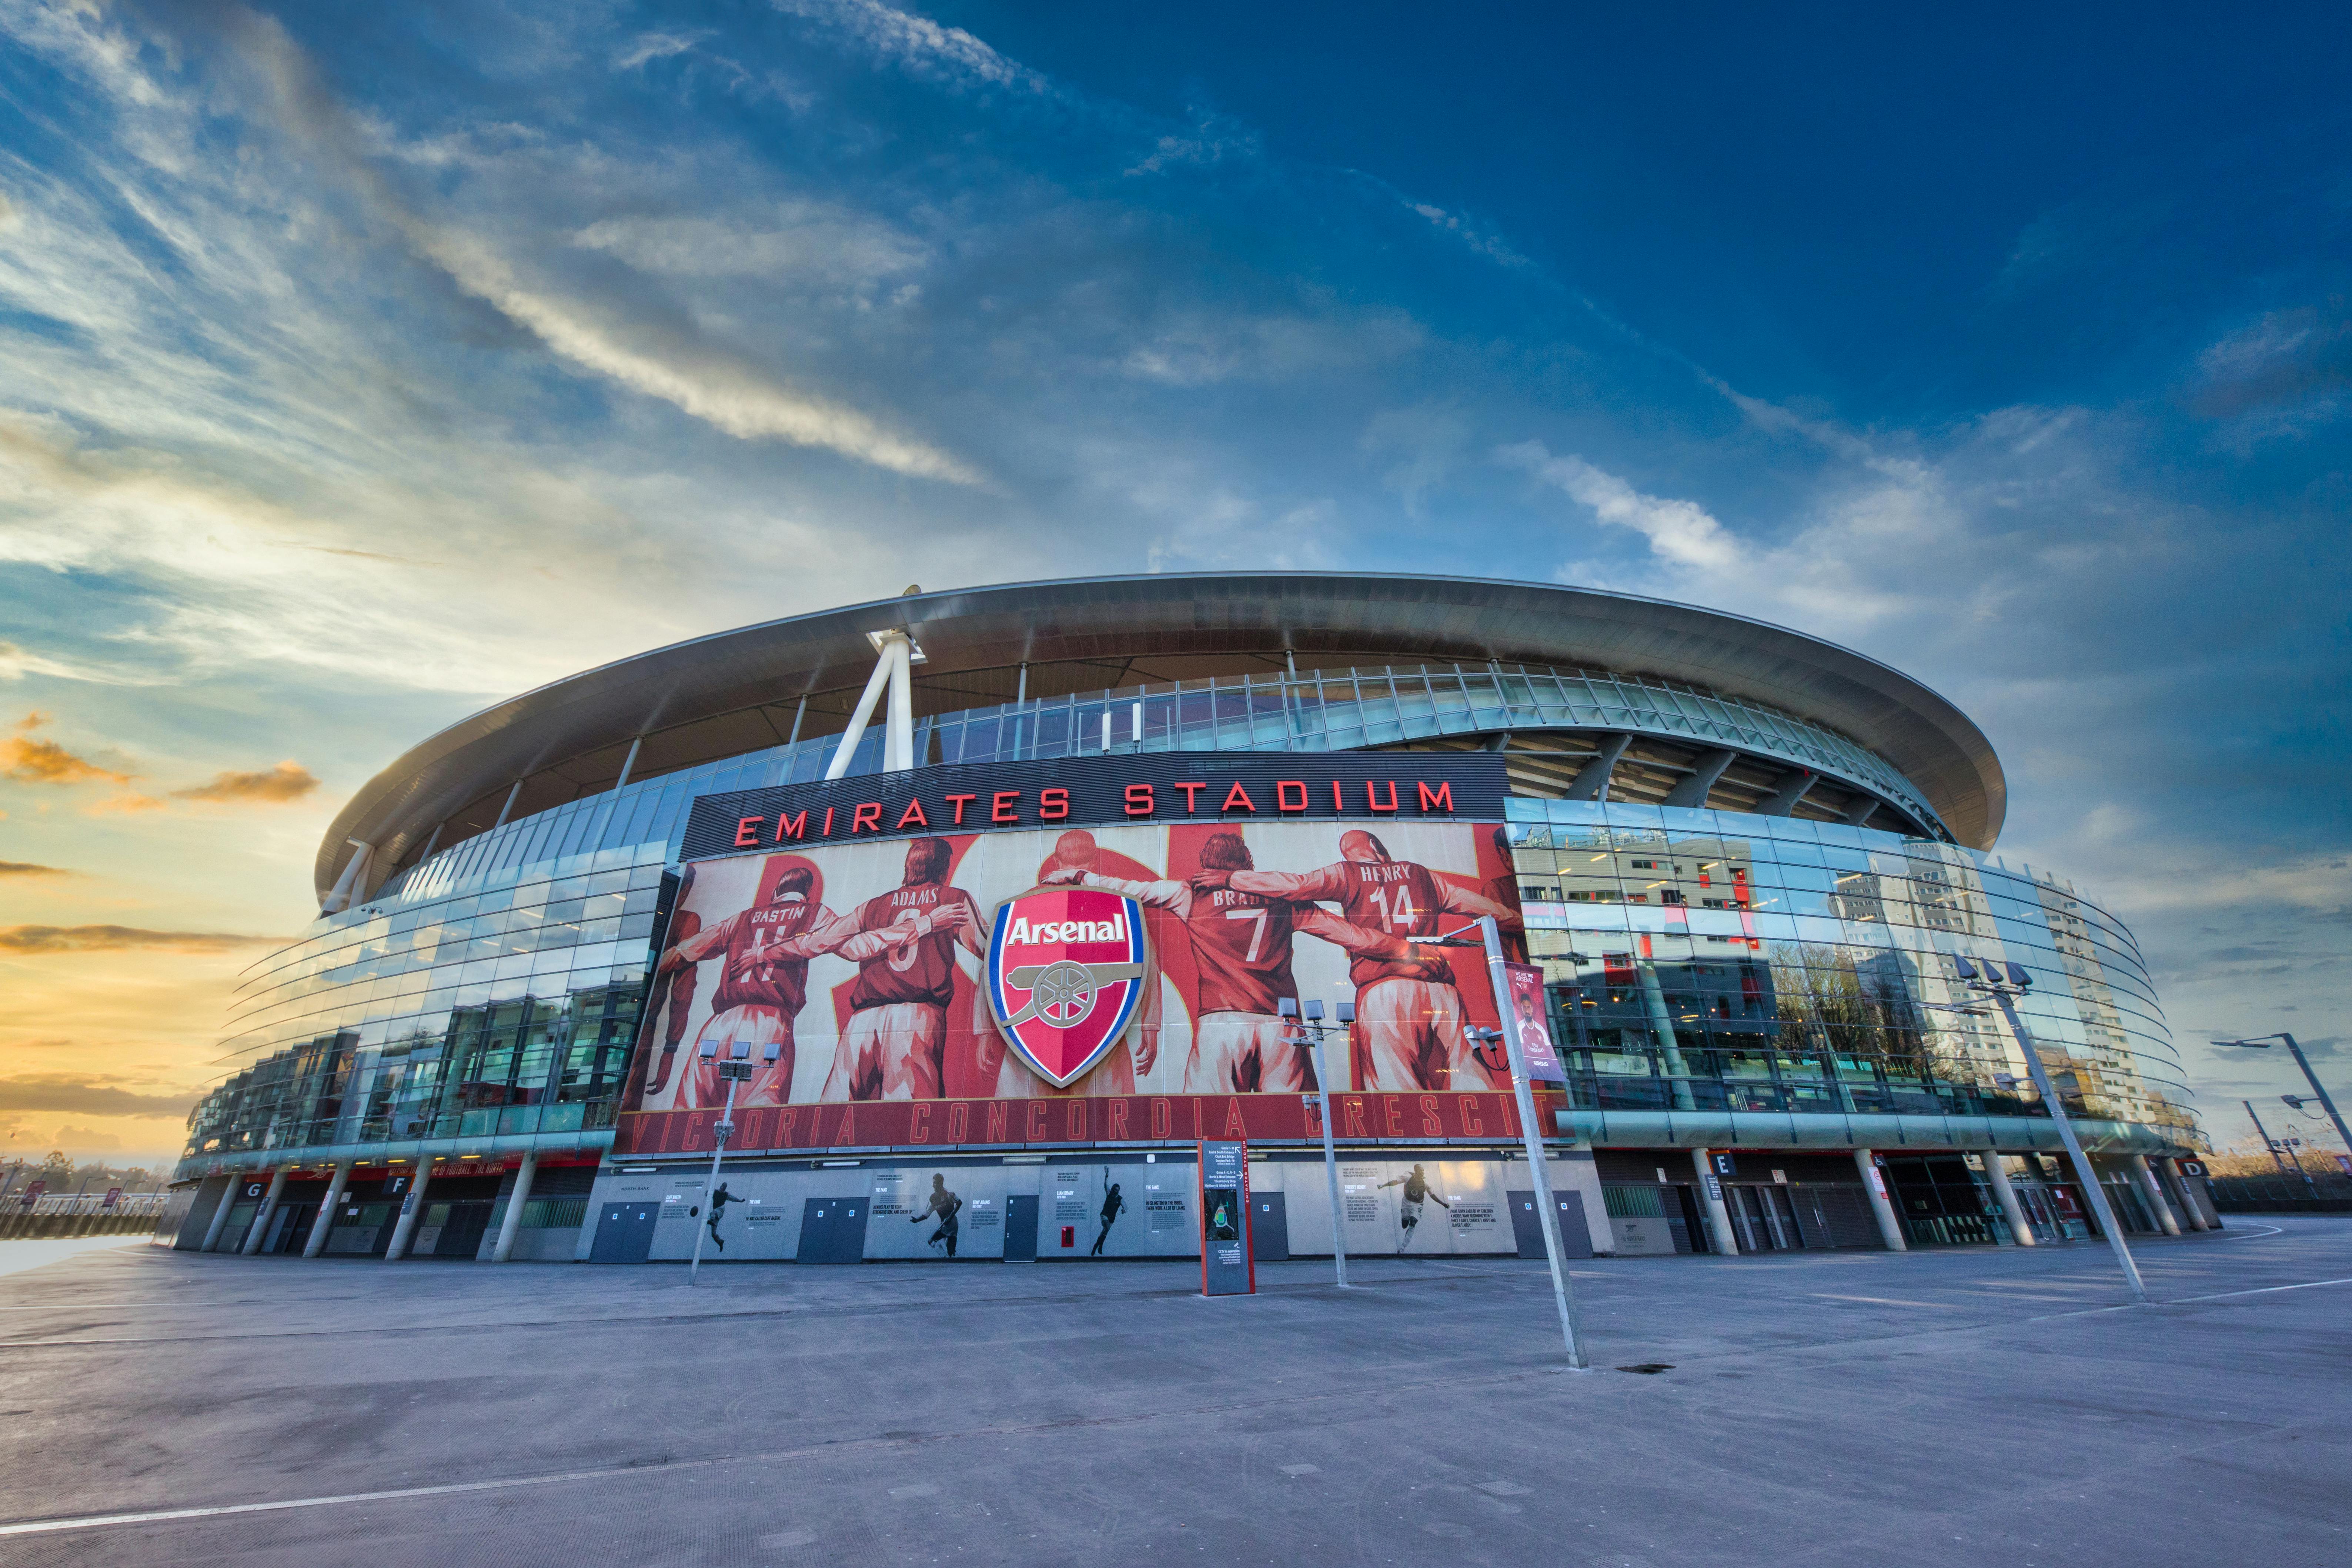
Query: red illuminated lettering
[1192,796]
[918,1125]
[1139,800]
[1238,799]
[1035,1129]
[1000,806]
[1440,799]
[1391,1116]
[999,1119]
[1471,1125]
[846,1136]
[1053,804]
[790,826]
[1163,1119]
[1430,1125]
[914,816]
[828,822]
[1074,1121]
[784,1126]
[747,832]
[1235,1126]
[1118,1119]
[866,815]
[1282,788]
[1372,796]
[958,1121]
[1337,804]
[1355,1108]
[959,802]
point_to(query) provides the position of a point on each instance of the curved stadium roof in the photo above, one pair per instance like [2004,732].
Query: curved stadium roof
[738,690]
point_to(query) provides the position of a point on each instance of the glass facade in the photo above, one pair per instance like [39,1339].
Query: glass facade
[1709,962]
[1323,711]
[1700,962]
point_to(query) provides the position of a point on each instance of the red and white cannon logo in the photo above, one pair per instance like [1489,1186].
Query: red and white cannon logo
[1066,976]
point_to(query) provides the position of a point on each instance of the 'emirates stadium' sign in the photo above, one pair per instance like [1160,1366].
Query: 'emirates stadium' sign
[1081,792]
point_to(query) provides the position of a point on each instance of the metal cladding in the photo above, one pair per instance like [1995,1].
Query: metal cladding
[1385,618]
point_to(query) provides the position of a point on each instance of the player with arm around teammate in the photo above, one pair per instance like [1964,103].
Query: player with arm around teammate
[1409,1013]
[763,954]
[904,943]
[1242,947]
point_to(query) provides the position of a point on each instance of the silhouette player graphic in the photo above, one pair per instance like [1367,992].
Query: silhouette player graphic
[945,1204]
[1111,1205]
[1416,1189]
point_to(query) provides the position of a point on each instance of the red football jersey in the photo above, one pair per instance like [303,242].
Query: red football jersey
[1242,942]
[920,971]
[750,972]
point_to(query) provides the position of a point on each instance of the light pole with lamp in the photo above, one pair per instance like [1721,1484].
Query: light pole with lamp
[2005,988]
[2263,1043]
[2275,1144]
[736,1069]
[2300,1104]
[1314,1026]
[1490,937]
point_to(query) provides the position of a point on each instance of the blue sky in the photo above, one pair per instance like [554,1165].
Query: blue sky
[359,365]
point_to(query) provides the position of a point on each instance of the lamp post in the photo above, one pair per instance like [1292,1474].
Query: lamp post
[2263,1043]
[2275,1144]
[2004,984]
[736,1069]
[1314,1026]
[1490,937]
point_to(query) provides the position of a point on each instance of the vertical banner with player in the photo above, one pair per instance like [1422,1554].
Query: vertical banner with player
[1527,1016]
[1108,961]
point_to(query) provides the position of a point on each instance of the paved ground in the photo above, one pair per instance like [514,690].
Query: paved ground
[1978,1407]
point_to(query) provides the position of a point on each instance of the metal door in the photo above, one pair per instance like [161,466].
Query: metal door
[832,1230]
[1692,1229]
[1269,1228]
[625,1232]
[290,1232]
[1575,1234]
[1021,1229]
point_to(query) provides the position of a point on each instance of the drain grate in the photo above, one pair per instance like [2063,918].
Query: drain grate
[1649,1368]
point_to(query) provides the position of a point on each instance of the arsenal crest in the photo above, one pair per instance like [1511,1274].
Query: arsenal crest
[1064,976]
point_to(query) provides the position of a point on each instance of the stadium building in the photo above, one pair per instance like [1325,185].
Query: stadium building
[972,913]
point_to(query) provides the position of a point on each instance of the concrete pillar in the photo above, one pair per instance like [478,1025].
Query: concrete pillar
[2201,1201]
[1662,1025]
[2155,1190]
[1997,1173]
[2167,1171]
[1882,1202]
[260,1225]
[1719,1218]
[514,1200]
[325,1222]
[220,1215]
[410,1206]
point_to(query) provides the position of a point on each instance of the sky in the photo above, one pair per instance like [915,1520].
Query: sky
[362,365]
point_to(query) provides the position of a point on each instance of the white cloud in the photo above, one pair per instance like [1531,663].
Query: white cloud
[795,241]
[1679,531]
[655,47]
[1454,227]
[918,44]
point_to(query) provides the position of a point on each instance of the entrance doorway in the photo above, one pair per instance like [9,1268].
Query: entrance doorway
[1763,1217]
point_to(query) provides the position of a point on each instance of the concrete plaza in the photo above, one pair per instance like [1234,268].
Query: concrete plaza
[1975,1408]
